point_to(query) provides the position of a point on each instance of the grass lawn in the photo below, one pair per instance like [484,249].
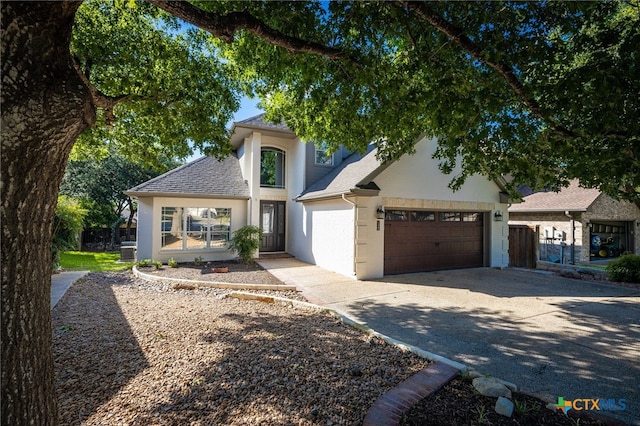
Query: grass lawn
[94,262]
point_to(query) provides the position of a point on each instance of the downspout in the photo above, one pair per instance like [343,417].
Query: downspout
[355,224]
[573,237]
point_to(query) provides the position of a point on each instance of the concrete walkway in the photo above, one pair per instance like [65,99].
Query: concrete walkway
[552,336]
[61,282]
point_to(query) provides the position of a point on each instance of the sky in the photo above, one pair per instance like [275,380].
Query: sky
[248,109]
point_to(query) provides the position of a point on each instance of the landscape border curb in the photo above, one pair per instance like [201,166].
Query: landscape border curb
[215,284]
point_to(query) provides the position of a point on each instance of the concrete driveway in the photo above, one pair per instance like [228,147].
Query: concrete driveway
[552,336]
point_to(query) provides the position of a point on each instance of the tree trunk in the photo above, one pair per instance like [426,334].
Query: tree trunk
[45,107]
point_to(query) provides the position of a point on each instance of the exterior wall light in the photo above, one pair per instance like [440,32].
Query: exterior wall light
[380,212]
[497,216]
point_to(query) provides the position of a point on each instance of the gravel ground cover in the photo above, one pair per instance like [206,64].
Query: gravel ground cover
[238,273]
[133,352]
[129,351]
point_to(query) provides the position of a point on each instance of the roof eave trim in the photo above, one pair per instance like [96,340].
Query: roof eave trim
[258,128]
[138,194]
[353,192]
[533,210]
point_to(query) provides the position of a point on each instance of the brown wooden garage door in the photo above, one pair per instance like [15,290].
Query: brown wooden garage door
[417,241]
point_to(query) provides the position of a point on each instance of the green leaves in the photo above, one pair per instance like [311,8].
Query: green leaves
[177,95]
[542,91]
[99,184]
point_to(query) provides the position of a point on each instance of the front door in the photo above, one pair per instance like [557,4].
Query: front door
[272,222]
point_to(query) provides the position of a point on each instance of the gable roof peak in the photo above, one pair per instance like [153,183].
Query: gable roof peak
[571,198]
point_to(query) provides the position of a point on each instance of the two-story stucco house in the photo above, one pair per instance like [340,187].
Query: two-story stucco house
[346,212]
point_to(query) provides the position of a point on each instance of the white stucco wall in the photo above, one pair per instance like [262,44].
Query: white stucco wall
[149,227]
[415,182]
[145,229]
[295,186]
[369,243]
[327,237]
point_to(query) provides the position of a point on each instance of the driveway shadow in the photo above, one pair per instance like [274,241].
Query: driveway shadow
[577,349]
[511,283]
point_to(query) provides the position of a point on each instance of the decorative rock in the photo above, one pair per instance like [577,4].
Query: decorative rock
[355,370]
[511,386]
[584,271]
[473,374]
[570,273]
[490,386]
[504,407]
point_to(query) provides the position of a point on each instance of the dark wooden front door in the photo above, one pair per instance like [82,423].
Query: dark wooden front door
[416,241]
[272,222]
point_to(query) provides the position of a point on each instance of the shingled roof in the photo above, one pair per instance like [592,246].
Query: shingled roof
[573,198]
[204,177]
[354,174]
[258,121]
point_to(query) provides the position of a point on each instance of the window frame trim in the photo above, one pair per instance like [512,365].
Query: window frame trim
[184,232]
[284,164]
[316,149]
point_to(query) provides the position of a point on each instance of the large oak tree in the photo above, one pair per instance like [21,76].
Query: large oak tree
[546,92]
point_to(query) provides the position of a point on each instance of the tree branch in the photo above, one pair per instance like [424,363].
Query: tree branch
[458,36]
[100,100]
[225,27]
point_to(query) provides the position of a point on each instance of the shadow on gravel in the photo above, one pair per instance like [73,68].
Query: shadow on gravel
[298,369]
[108,360]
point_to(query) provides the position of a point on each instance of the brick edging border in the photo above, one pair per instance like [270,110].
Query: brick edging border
[389,409]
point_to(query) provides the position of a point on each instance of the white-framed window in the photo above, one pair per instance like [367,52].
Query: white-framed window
[195,228]
[322,156]
[272,168]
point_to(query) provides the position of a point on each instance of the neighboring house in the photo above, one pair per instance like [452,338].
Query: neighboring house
[346,212]
[577,225]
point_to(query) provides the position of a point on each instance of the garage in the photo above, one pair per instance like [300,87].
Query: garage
[419,241]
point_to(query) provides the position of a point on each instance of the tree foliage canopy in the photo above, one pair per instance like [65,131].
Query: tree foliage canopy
[100,184]
[542,92]
[170,92]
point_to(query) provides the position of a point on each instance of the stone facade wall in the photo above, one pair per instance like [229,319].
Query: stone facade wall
[603,210]
[606,209]
[556,235]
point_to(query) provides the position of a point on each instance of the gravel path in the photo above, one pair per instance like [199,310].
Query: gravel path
[133,352]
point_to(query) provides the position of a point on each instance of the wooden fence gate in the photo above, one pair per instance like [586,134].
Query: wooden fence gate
[522,246]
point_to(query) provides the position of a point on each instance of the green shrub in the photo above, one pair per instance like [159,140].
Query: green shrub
[143,263]
[197,261]
[67,225]
[157,264]
[625,269]
[172,263]
[246,241]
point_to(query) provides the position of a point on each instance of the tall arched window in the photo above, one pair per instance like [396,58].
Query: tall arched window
[272,161]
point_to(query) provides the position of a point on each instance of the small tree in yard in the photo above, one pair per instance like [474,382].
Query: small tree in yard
[67,224]
[246,241]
